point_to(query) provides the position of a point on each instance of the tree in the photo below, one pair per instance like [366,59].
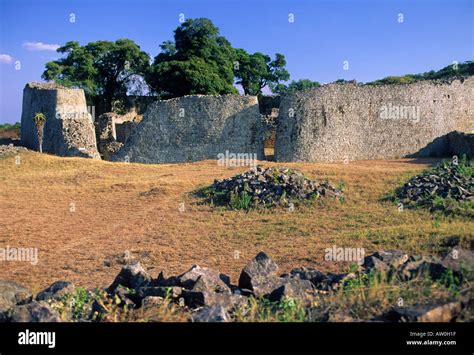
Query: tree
[40,120]
[198,61]
[255,71]
[451,71]
[301,84]
[101,68]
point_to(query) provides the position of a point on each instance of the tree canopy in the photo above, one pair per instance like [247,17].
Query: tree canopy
[103,68]
[301,84]
[450,71]
[255,71]
[198,61]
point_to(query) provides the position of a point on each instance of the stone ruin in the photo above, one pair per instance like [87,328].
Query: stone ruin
[352,122]
[196,127]
[335,122]
[68,130]
[269,187]
[112,132]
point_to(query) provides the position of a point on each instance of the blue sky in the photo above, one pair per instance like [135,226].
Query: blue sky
[324,34]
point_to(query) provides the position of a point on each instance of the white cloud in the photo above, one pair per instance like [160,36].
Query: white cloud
[40,46]
[5,58]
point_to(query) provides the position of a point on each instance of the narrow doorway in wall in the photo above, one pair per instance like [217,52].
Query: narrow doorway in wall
[269,107]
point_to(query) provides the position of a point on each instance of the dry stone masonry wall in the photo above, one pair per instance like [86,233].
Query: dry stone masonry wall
[68,131]
[196,127]
[349,122]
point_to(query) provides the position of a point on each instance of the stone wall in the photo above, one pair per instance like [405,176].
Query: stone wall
[68,131]
[349,121]
[196,127]
[124,131]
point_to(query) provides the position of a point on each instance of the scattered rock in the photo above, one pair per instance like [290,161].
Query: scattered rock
[128,298]
[56,291]
[257,272]
[217,300]
[152,302]
[415,268]
[34,312]
[11,149]
[340,316]
[270,187]
[426,313]
[12,294]
[458,258]
[173,292]
[205,293]
[293,288]
[163,281]
[215,313]
[132,276]
[446,180]
[385,260]
[212,278]
[451,241]
[309,274]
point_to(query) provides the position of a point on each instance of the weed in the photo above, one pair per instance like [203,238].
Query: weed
[240,201]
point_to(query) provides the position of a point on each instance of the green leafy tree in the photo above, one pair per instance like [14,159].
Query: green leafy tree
[255,71]
[103,68]
[450,71]
[198,61]
[298,85]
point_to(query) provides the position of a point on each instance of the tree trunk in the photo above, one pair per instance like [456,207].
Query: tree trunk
[40,129]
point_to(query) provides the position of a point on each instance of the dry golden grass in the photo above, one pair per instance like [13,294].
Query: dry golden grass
[135,207]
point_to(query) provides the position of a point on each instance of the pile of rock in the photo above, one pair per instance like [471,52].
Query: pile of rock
[449,180]
[272,186]
[209,296]
[11,149]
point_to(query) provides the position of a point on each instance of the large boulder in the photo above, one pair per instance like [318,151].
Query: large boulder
[215,279]
[12,294]
[291,288]
[69,130]
[426,313]
[385,260]
[34,312]
[56,291]
[257,272]
[215,313]
[131,276]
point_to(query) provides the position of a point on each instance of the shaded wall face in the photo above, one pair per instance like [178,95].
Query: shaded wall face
[339,122]
[68,130]
[38,101]
[193,128]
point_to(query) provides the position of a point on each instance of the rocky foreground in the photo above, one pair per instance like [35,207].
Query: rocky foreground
[268,187]
[205,295]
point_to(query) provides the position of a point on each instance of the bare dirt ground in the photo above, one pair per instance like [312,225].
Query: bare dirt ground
[83,214]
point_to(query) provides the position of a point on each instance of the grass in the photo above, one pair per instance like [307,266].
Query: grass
[136,207]
[262,310]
